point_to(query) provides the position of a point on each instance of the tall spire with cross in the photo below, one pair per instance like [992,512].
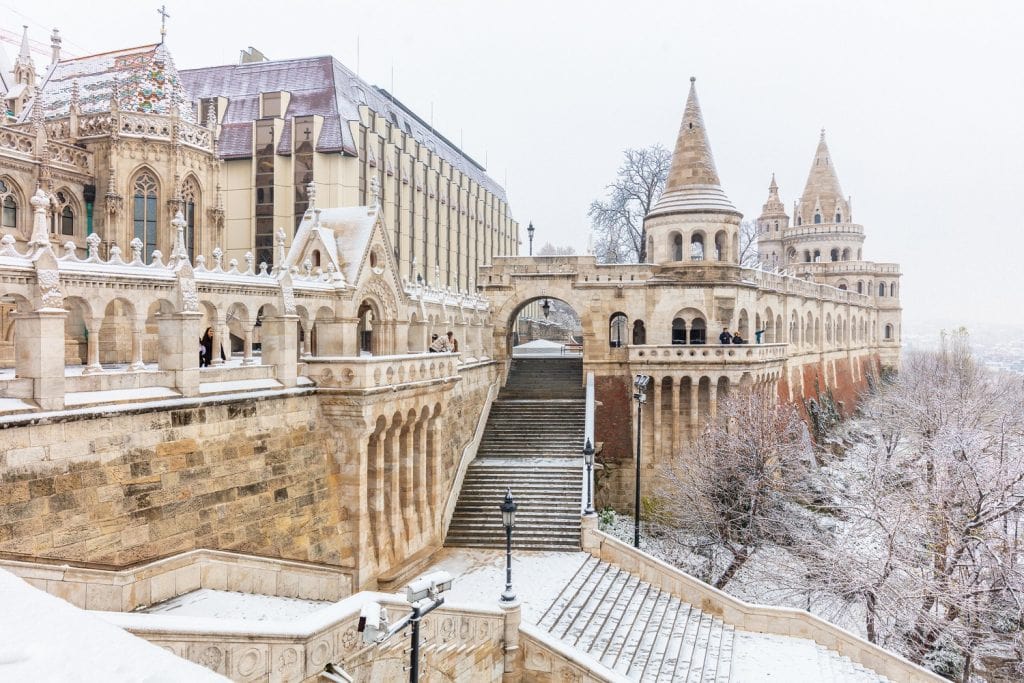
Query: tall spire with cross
[164,16]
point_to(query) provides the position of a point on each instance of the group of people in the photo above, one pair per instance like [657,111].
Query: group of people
[735,337]
[446,344]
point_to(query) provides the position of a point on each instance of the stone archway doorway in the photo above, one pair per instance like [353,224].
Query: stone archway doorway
[544,325]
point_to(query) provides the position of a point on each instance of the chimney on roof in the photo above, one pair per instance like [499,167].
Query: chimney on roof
[55,46]
[251,56]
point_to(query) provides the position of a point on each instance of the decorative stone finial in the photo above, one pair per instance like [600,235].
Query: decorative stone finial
[136,245]
[249,260]
[218,257]
[179,253]
[40,203]
[693,79]
[92,243]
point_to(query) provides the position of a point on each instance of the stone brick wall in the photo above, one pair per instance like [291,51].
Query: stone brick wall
[252,475]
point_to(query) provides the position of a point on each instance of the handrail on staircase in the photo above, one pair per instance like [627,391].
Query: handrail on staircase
[588,434]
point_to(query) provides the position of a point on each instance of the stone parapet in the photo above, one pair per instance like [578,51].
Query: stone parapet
[736,356]
[758,618]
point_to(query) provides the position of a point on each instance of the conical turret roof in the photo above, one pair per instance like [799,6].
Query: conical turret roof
[692,184]
[822,189]
[774,206]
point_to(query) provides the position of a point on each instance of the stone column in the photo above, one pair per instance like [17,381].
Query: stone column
[218,327]
[677,388]
[375,502]
[280,347]
[424,523]
[406,506]
[656,419]
[694,404]
[393,490]
[513,657]
[138,330]
[38,355]
[247,358]
[92,346]
[179,349]
[712,400]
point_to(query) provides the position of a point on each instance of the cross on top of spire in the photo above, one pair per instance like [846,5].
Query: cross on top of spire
[164,16]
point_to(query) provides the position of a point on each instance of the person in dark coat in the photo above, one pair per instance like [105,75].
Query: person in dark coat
[206,355]
[737,339]
[725,337]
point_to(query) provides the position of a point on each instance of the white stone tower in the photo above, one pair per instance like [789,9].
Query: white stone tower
[693,220]
[772,224]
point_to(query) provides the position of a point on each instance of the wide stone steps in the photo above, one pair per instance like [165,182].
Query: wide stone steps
[532,444]
[638,630]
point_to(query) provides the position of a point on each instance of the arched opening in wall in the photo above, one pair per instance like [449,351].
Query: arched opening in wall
[323,316]
[839,217]
[265,311]
[834,255]
[757,328]
[76,331]
[817,218]
[639,333]
[799,220]
[315,258]
[794,329]
[889,332]
[190,209]
[769,326]
[302,329]
[703,398]
[368,316]
[828,328]
[617,330]
[145,189]
[376,473]
[860,286]
[10,305]
[744,325]
[239,326]
[892,289]
[677,246]
[541,326]
[697,246]
[817,331]
[791,255]
[721,246]
[809,331]
[881,289]
[807,256]
[722,390]
[816,256]
[678,331]
[116,332]
[415,339]
[779,330]
[846,254]
[842,286]
[858,255]
[698,331]
[11,202]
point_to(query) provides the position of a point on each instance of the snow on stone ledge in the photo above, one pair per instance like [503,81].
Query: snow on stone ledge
[48,639]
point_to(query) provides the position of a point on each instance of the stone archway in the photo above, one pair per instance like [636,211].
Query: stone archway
[527,321]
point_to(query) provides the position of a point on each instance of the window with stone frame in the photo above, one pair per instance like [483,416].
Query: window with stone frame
[189,204]
[9,203]
[63,215]
[144,211]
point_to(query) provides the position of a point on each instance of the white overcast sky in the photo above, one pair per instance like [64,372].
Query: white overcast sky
[922,102]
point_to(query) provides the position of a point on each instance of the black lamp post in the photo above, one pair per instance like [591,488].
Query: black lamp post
[546,307]
[529,231]
[588,458]
[641,383]
[508,518]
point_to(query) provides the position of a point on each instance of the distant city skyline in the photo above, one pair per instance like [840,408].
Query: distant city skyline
[920,101]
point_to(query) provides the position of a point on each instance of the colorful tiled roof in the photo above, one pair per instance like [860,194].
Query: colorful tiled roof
[145,78]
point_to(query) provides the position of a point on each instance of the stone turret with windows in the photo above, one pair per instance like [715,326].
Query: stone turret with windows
[771,225]
[693,220]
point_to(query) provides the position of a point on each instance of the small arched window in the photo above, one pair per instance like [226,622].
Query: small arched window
[817,218]
[839,217]
[190,200]
[697,247]
[892,289]
[834,255]
[677,247]
[617,330]
[881,289]
[678,331]
[799,220]
[9,202]
[64,215]
[144,212]
[842,287]
[860,287]
[639,333]
[888,332]
[316,258]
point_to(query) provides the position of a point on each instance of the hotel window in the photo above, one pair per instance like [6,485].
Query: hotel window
[264,159]
[302,163]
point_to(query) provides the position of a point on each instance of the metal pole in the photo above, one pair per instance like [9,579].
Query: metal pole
[508,564]
[414,658]
[590,499]
[636,501]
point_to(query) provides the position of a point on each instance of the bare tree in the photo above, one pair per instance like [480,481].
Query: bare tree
[551,250]
[618,220]
[737,488]
[748,256]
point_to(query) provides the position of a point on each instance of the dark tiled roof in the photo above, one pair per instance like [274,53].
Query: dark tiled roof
[318,85]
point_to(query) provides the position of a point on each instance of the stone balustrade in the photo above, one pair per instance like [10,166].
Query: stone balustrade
[703,354]
[367,373]
[749,617]
[847,267]
[23,144]
[787,284]
[130,124]
[823,229]
[463,644]
[126,590]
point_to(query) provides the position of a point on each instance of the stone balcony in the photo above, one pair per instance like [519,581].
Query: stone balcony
[823,230]
[130,124]
[702,355]
[21,144]
[369,373]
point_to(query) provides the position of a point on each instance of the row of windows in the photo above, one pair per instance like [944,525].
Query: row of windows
[817,219]
[146,214]
[814,255]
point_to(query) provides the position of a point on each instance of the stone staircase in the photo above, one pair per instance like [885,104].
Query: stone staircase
[638,630]
[532,443]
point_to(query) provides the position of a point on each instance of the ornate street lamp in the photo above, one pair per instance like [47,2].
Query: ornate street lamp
[546,307]
[588,458]
[508,518]
[640,395]
[529,231]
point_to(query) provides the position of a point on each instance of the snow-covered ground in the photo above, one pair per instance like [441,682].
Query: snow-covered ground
[207,602]
[44,638]
[537,576]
